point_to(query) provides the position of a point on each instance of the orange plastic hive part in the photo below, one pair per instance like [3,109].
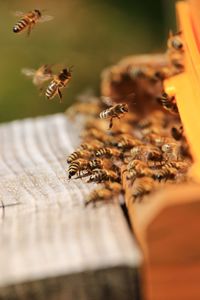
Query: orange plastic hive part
[187,85]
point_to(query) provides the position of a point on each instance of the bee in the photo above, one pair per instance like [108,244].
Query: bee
[98,195]
[142,187]
[114,112]
[28,20]
[97,134]
[78,154]
[91,145]
[104,175]
[59,82]
[177,133]
[108,152]
[175,42]
[77,166]
[166,172]
[128,142]
[171,151]
[146,152]
[138,168]
[113,186]
[41,75]
[168,102]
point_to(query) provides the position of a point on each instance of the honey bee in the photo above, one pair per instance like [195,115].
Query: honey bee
[28,20]
[138,168]
[99,195]
[168,103]
[114,112]
[175,42]
[113,186]
[94,133]
[91,145]
[104,175]
[77,166]
[166,172]
[41,75]
[108,152]
[142,187]
[171,151]
[146,152]
[128,142]
[78,154]
[59,82]
[177,133]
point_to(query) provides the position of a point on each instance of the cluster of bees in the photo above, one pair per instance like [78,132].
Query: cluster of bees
[142,151]
[44,73]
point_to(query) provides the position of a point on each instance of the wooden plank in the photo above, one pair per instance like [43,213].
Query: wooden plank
[48,238]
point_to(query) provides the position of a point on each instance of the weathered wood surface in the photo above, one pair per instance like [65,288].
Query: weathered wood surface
[50,244]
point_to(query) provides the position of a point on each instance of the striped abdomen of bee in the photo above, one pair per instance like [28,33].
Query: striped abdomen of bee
[104,175]
[114,112]
[168,103]
[142,187]
[128,143]
[78,154]
[108,152]
[58,83]
[27,20]
[98,195]
[91,145]
[166,172]
[77,166]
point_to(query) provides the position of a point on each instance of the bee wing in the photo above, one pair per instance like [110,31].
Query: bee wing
[28,72]
[107,100]
[45,18]
[18,13]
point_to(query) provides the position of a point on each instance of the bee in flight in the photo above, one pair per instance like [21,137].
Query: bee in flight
[59,82]
[39,76]
[114,112]
[28,20]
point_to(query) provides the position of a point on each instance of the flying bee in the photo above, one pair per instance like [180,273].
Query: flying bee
[78,154]
[142,187]
[175,42]
[177,133]
[41,75]
[114,112]
[168,102]
[108,152]
[99,195]
[104,175]
[59,82]
[28,20]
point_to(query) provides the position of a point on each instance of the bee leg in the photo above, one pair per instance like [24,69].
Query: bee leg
[60,95]
[111,123]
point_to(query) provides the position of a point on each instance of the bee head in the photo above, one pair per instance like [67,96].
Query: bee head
[38,12]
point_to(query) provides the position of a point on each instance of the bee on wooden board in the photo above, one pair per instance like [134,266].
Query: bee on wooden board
[114,112]
[39,76]
[168,102]
[142,187]
[104,175]
[29,20]
[99,195]
[108,152]
[78,154]
[175,42]
[59,82]
[166,172]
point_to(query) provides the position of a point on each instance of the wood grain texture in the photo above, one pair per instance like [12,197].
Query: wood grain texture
[50,244]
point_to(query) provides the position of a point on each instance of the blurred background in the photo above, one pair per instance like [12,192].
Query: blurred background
[88,34]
